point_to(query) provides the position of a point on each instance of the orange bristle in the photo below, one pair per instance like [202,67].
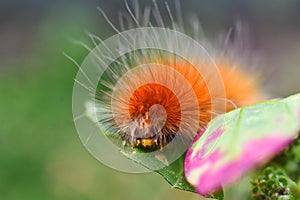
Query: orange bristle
[241,89]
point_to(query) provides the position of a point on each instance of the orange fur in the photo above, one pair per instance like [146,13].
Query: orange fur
[158,81]
[241,89]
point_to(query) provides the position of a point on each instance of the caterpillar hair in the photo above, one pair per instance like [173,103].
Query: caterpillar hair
[148,97]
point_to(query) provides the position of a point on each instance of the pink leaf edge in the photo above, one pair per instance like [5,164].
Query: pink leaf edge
[211,178]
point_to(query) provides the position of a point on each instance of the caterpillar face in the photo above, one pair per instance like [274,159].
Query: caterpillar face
[155,113]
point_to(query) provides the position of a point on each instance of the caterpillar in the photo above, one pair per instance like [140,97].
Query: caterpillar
[148,97]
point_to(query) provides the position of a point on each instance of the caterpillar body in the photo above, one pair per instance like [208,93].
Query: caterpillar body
[150,96]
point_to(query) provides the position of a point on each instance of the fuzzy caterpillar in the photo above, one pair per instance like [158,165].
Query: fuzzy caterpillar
[150,96]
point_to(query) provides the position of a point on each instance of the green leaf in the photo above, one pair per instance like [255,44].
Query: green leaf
[173,173]
[241,140]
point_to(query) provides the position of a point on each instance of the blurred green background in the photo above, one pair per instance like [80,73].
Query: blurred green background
[41,156]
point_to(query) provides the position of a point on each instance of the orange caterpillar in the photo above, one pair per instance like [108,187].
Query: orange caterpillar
[144,131]
[148,106]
